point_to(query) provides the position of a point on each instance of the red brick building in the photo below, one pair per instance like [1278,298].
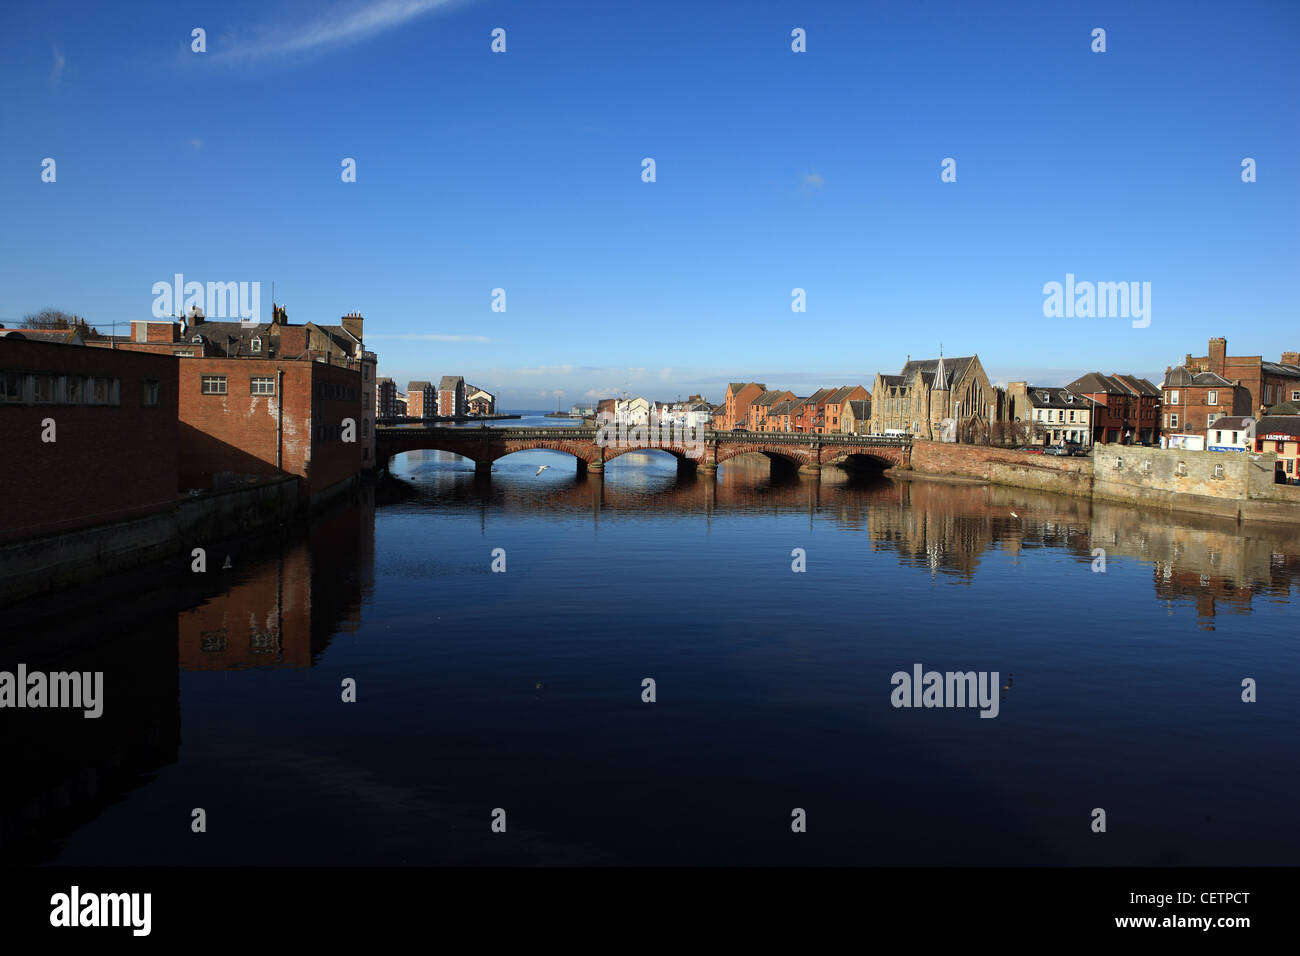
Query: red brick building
[1269,383]
[113,420]
[1124,410]
[451,396]
[835,403]
[1194,399]
[421,400]
[760,408]
[735,404]
[243,419]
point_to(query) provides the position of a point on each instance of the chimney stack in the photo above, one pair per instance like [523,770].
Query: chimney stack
[353,324]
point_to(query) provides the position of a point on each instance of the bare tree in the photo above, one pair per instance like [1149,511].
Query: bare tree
[57,319]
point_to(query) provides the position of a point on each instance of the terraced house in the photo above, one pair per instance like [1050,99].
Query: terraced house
[1125,409]
[1049,415]
[1269,383]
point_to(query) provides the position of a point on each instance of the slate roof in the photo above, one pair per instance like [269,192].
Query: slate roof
[449,382]
[955,367]
[1277,368]
[1277,425]
[1182,376]
[1237,422]
[861,408]
[1044,396]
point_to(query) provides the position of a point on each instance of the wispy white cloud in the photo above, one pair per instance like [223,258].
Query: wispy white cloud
[814,180]
[195,143]
[434,338]
[341,25]
[56,70]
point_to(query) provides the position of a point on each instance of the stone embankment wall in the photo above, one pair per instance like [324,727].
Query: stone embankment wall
[1231,485]
[44,564]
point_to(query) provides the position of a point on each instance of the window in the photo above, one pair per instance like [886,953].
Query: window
[1180,469]
[103,391]
[1234,438]
[1218,471]
[152,392]
[74,389]
[1173,421]
[1295,396]
[1218,437]
[197,340]
[214,385]
[1072,414]
[1212,417]
[1213,397]
[183,353]
[255,345]
[261,385]
[365,428]
[42,387]
[1173,397]
[11,386]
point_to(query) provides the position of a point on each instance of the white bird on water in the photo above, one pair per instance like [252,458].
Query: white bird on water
[541,469]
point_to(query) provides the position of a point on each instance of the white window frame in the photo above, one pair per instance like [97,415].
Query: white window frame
[212,380]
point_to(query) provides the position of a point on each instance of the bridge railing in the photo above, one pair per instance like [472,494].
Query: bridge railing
[588,433]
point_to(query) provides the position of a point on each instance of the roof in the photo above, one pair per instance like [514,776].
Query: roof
[1182,376]
[1095,383]
[735,387]
[955,367]
[819,397]
[1277,425]
[412,386]
[786,407]
[840,395]
[231,339]
[1277,368]
[860,407]
[1049,396]
[889,380]
[1238,422]
[1285,408]
[449,383]
[60,336]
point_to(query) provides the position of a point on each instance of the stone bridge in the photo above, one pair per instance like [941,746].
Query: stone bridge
[483,446]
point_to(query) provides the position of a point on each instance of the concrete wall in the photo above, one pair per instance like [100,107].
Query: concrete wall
[1003,466]
[54,561]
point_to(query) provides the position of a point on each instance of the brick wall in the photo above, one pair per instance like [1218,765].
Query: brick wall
[235,434]
[108,462]
[1072,476]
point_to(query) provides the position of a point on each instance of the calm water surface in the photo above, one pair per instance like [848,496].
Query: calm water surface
[522,690]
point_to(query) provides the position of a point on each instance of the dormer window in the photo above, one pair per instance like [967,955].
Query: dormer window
[256,344]
[197,340]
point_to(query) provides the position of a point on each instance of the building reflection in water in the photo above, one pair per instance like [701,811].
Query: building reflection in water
[943,528]
[283,609]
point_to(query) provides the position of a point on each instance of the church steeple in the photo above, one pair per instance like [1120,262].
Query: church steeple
[940,374]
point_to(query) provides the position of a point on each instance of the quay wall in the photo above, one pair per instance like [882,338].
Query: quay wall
[1225,484]
[38,565]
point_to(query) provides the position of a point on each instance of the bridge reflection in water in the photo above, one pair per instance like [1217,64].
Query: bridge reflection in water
[943,528]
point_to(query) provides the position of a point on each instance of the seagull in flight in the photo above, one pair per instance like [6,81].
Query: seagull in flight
[541,469]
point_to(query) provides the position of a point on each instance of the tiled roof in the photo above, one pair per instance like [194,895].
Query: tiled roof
[1238,422]
[1052,397]
[449,382]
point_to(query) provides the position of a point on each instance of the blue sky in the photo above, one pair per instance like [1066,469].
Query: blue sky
[775,170]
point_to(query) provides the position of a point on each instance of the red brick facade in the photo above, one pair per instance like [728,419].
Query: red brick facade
[109,462]
[285,414]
